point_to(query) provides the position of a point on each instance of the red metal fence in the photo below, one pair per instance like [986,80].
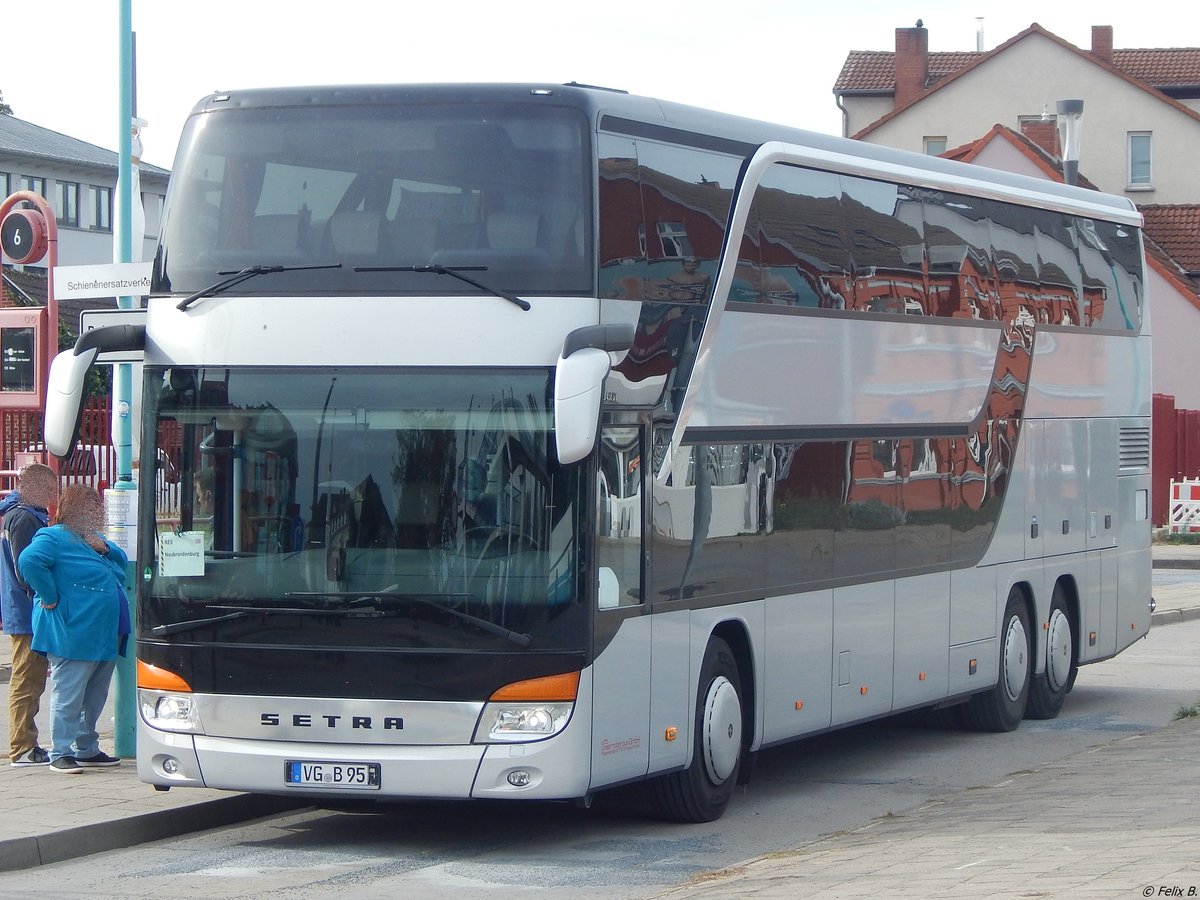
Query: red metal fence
[94,460]
[1175,438]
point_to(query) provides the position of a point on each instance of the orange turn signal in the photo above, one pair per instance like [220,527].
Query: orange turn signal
[563,687]
[156,679]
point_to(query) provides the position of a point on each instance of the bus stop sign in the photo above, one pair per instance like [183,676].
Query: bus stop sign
[23,236]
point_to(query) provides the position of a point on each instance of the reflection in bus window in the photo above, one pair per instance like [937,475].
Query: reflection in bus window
[356,484]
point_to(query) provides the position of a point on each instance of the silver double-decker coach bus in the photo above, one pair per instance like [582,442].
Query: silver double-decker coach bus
[537,439]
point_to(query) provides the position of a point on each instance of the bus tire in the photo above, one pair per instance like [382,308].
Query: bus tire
[701,792]
[1003,707]
[1048,690]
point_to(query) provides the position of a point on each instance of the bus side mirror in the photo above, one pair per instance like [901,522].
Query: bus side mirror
[64,399]
[68,370]
[578,386]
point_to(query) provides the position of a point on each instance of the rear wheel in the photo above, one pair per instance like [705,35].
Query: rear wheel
[1003,707]
[701,792]
[1048,690]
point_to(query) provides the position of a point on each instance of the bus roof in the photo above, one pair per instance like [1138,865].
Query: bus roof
[669,120]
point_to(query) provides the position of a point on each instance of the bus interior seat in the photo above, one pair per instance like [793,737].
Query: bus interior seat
[414,238]
[354,234]
[511,240]
[442,206]
[513,230]
[276,234]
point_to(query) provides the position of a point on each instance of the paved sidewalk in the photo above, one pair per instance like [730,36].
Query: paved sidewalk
[1177,556]
[46,818]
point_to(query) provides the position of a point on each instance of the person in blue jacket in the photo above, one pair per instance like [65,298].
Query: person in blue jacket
[80,620]
[26,511]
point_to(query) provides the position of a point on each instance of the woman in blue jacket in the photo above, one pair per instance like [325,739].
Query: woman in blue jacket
[79,620]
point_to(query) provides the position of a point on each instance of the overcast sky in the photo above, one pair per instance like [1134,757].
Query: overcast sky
[768,60]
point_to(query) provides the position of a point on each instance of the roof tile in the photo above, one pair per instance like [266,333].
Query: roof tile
[874,71]
[1176,228]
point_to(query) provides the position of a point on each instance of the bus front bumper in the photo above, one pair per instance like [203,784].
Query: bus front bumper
[553,769]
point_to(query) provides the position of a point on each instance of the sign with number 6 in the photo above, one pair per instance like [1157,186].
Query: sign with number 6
[23,236]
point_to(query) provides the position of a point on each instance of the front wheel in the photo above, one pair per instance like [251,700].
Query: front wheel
[701,792]
[1048,690]
[1003,707]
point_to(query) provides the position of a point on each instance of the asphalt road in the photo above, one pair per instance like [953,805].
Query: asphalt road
[615,850]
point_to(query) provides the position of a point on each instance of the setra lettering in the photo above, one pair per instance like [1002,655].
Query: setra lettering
[331,720]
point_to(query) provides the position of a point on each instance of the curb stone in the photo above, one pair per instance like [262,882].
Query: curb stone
[72,843]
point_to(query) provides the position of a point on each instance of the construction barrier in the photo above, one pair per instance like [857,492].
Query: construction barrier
[1185,507]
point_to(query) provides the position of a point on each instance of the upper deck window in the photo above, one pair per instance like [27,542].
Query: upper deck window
[507,188]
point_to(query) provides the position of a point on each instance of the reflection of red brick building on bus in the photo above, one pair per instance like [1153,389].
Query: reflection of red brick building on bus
[924,474]
[659,240]
[840,254]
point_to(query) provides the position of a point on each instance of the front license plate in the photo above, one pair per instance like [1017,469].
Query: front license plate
[323,774]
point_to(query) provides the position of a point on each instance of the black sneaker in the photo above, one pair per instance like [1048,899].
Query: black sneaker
[100,759]
[35,757]
[65,765]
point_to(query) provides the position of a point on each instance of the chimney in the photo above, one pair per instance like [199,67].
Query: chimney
[912,62]
[1044,133]
[1102,43]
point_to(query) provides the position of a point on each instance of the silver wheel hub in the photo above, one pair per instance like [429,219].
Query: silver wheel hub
[1058,651]
[1016,658]
[722,733]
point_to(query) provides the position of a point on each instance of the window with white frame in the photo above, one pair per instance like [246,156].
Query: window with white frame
[34,183]
[1140,170]
[933,145]
[101,199]
[152,210]
[66,203]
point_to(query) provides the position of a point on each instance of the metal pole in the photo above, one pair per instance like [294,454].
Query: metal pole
[125,698]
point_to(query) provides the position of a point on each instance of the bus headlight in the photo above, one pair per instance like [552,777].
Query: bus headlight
[169,711]
[530,710]
[506,722]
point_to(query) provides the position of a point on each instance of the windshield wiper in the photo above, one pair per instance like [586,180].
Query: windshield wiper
[454,272]
[402,598]
[192,624]
[242,612]
[240,275]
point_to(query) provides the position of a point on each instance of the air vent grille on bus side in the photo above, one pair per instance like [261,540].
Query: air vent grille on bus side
[1135,447]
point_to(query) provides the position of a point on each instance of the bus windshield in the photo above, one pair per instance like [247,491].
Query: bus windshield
[382,509]
[503,191]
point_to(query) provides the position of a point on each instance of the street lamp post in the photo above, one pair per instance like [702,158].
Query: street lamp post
[1070,114]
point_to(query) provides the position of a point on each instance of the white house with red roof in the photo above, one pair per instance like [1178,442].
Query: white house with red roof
[1141,118]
